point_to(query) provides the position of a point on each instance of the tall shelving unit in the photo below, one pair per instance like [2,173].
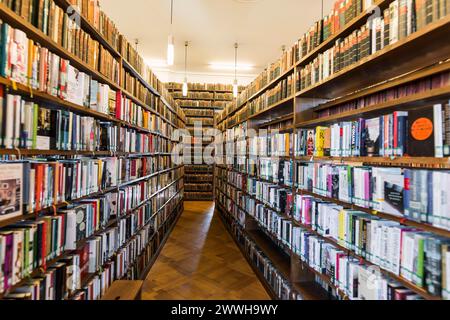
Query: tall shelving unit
[162,208]
[201,104]
[421,54]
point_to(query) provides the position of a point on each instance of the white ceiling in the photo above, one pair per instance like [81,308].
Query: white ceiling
[260,27]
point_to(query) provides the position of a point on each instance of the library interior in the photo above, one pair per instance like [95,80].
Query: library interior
[224,150]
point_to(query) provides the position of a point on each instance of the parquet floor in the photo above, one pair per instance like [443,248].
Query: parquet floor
[200,261]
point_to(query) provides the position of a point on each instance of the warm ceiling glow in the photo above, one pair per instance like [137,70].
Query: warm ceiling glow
[156,63]
[230,66]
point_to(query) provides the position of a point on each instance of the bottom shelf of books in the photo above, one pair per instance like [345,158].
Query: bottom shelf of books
[300,261]
[123,249]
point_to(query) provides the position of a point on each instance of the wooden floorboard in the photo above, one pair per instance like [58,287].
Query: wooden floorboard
[200,261]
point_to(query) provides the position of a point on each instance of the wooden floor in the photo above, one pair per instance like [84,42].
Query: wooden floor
[200,261]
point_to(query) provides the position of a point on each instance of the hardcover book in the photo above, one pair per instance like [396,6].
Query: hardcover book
[11,190]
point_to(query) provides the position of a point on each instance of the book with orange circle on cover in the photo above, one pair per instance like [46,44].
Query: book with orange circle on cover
[425,132]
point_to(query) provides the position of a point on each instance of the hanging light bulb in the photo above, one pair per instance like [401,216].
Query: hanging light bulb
[171,40]
[170,51]
[185,82]
[185,88]
[235,83]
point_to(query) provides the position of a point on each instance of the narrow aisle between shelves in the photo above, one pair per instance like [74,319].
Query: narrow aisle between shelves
[201,261]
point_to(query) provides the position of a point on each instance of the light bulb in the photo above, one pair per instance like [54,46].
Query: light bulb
[185,88]
[170,51]
[235,89]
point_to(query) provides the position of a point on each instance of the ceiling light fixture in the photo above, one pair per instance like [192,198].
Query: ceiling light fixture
[235,83]
[171,40]
[185,83]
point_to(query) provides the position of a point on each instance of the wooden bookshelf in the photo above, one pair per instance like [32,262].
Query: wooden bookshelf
[194,113]
[421,55]
[418,50]
[165,109]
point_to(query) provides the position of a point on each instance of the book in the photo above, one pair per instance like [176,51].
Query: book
[11,189]
[425,132]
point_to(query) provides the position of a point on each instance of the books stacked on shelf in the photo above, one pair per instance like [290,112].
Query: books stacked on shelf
[204,122]
[75,274]
[271,145]
[194,95]
[414,255]
[199,113]
[401,19]
[343,13]
[420,132]
[60,28]
[98,19]
[282,90]
[199,105]
[74,222]
[210,87]
[196,104]
[415,194]
[360,204]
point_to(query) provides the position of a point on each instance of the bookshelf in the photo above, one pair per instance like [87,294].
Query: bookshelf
[201,104]
[272,214]
[138,196]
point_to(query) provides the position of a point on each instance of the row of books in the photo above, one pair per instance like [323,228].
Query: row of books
[418,195]
[230,206]
[198,187]
[48,17]
[37,67]
[271,145]
[137,115]
[42,70]
[341,14]
[109,254]
[198,113]
[201,104]
[192,178]
[202,86]
[419,86]
[131,141]
[147,192]
[282,90]
[28,125]
[274,171]
[30,64]
[417,256]
[196,121]
[194,95]
[359,281]
[90,9]
[422,132]
[33,185]
[190,196]
[64,31]
[402,18]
